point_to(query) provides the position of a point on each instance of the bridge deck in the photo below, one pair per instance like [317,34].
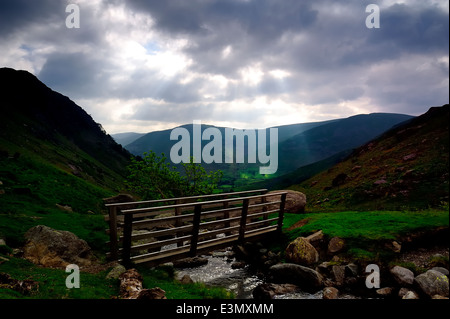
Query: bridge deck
[194,226]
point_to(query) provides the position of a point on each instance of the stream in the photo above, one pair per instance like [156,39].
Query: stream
[219,273]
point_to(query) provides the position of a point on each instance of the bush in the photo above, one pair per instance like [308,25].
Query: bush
[152,177]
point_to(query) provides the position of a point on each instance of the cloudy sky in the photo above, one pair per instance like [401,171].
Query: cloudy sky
[144,65]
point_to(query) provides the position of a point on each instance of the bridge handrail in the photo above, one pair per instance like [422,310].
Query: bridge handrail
[254,228]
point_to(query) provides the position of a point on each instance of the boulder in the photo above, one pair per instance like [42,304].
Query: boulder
[116,272]
[335,245]
[351,270]
[121,198]
[316,238]
[306,278]
[432,283]
[442,270]
[338,274]
[131,287]
[410,295]
[26,287]
[403,276]
[269,290]
[295,201]
[330,293]
[238,265]
[190,262]
[186,279]
[385,292]
[56,248]
[301,252]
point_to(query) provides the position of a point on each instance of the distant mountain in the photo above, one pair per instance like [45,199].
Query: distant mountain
[159,141]
[327,140]
[298,145]
[126,138]
[46,126]
[406,167]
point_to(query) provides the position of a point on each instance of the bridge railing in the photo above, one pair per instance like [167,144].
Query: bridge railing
[141,232]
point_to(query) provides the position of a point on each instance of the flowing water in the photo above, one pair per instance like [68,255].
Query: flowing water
[219,273]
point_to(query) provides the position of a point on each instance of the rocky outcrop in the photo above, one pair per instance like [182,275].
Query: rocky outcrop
[432,283]
[131,287]
[56,248]
[270,290]
[121,198]
[330,293]
[25,287]
[403,276]
[115,272]
[295,201]
[190,262]
[336,245]
[306,278]
[301,252]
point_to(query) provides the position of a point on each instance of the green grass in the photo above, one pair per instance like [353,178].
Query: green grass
[372,225]
[366,232]
[52,283]
[163,277]
[45,187]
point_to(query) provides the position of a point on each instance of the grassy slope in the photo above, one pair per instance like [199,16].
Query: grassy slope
[37,156]
[415,183]
[366,233]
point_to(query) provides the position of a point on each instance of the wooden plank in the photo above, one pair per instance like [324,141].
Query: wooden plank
[187,198]
[160,243]
[127,230]
[160,233]
[217,231]
[243,220]
[262,213]
[114,246]
[246,230]
[137,210]
[196,226]
[160,255]
[217,241]
[219,222]
[281,214]
[260,231]
[261,222]
[162,221]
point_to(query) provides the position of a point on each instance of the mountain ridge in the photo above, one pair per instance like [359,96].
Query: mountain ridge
[407,166]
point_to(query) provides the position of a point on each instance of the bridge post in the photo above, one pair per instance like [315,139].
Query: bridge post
[113,243]
[226,215]
[178,223]
[243,224]
[127,231]
[281,214]
[195,229]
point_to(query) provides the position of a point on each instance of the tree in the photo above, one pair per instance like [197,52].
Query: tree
[152,177]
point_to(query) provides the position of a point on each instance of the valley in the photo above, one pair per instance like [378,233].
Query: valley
[371,179]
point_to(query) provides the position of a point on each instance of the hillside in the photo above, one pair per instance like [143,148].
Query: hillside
[42,123]
[126,138]
[56,162]
[406,167]
[321,142]
[298,145]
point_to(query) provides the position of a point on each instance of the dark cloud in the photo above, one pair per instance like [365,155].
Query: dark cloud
[20,14]
[252,29]
[76,74]
[324,47]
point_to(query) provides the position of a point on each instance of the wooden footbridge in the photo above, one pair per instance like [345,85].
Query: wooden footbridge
[159,231]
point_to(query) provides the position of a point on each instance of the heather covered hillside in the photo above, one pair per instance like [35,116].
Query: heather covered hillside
[407,166]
